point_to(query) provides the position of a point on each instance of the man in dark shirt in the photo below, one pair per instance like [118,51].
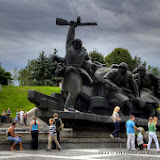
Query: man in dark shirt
[57,123]
[8,112]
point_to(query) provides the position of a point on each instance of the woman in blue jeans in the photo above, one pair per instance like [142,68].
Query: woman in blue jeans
[11,136]
[115,118]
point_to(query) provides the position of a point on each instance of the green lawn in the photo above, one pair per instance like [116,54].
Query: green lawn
[17,97]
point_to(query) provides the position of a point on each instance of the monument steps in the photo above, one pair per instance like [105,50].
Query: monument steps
[69,139]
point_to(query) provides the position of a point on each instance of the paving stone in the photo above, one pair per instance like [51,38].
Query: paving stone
[80,154]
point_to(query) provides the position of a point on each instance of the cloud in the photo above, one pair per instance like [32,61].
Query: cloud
[28,28]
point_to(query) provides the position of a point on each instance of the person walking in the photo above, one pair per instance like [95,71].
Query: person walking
[25,117]
[11,136]
[52,135]
[59,124]
[152,134]
[115,118]
[21,116]
[130,130]
[34,131]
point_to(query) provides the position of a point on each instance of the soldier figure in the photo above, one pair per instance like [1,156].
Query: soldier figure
[149,86]
[122,87]
[75,66]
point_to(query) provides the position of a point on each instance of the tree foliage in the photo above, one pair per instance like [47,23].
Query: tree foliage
[5,77]
[39,71]
[155,70]
[96,56]
[119,55]
[25,75]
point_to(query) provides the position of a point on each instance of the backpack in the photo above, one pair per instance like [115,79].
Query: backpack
[61,125]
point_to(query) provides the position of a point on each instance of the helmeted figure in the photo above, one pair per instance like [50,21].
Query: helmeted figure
[122,87]
[149,86]
[75,66]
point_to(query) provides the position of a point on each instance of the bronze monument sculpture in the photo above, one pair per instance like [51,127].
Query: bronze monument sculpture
[149,89]
[93,89]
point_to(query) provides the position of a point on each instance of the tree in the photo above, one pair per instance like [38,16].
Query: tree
[5,77]
[136,62]
[39,71]
[155,70]
[119,55]
[96,56]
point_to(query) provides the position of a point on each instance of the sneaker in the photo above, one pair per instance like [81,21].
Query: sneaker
[48,150]
[118,137]
[111,136]
[134,149]
[60,149]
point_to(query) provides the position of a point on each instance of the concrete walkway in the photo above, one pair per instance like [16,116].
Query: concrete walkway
[80,154]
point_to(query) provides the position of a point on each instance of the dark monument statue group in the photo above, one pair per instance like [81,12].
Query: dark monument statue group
[92,88]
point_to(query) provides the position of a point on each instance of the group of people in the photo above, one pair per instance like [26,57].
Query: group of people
[21,117]
[5,116]
[131,128]
[55,126]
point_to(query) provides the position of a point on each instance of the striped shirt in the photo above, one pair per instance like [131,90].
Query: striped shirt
[52,130]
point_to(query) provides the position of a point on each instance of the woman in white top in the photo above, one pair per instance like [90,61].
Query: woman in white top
[21,116]
[115,118]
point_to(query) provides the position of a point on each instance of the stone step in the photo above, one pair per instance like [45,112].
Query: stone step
[65,133]
[26,135]
[7,125]
[70,143]
[74,143]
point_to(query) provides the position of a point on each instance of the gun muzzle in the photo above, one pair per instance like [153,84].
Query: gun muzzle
[60,21]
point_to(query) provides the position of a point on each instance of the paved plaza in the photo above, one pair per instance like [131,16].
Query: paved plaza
[80,154]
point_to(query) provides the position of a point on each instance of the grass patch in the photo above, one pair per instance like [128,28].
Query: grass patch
[17,97]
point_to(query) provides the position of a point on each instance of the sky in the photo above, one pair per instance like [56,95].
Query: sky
[28,27]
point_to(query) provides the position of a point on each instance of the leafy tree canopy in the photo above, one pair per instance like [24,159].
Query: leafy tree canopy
[119,55]
[5,77]
[39,71]
[96,56]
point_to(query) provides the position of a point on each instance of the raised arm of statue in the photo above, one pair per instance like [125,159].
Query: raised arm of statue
[70,36]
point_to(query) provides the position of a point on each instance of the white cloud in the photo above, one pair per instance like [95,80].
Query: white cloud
[28,27]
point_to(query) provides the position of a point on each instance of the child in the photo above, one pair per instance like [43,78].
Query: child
[155,119]
[52,135]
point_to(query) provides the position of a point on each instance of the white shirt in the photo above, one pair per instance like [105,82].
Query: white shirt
[21,113]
